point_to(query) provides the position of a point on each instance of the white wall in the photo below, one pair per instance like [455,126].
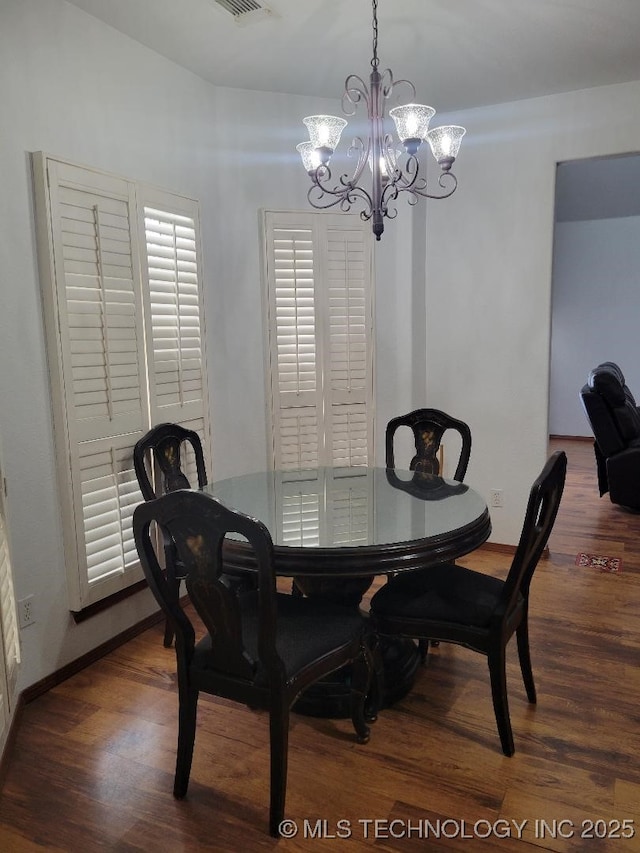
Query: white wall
[489,263]
[596,311]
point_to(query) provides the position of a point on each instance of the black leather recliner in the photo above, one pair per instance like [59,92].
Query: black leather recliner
[615,420]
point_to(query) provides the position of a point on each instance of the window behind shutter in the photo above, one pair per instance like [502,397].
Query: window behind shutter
[319,322]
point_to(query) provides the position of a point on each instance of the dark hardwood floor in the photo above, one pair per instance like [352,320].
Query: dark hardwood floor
[92,765]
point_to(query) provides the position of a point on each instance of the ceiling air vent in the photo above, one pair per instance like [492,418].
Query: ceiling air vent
[245,11]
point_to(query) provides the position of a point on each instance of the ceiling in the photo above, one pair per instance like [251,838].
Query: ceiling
[459,53]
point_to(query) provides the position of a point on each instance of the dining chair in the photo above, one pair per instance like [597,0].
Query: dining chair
[428,427]
[159,462]
[454,604]
[159,457]
[260,647]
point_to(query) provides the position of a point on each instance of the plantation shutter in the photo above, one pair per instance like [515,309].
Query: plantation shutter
[174,313]
[319,319]
[96,339]
[125,338]
[9,640]
[296,382]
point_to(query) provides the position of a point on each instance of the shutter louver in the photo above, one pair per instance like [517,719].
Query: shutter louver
[110,493]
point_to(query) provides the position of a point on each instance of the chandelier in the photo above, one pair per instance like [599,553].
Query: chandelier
[389,176]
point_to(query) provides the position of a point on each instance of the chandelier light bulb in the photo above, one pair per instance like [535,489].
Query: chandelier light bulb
[392,155]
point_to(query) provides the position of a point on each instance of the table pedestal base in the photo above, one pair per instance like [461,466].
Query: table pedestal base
[330,697]
[398,659]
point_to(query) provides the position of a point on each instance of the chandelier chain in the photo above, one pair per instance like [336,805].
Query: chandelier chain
[374,60]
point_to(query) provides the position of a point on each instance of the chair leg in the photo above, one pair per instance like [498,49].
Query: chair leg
[168,634]
[279,748]
[498,674]
[362,711]
[522,636]
[174,585]
[187,714]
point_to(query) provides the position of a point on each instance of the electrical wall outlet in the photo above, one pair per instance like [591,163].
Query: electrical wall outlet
[26,613]
[496,497]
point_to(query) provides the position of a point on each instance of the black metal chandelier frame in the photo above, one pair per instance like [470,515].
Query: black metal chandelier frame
[388,181]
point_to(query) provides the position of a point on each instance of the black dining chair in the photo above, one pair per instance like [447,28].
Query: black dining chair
[260,647]
[453,604]
[159,457]
[159,460]
[428,427]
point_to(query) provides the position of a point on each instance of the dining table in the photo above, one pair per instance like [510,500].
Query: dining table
[334,529]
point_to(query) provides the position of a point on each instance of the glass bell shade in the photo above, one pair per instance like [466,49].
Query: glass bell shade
[445,142]
[412,121]
[324,131]
[310,157]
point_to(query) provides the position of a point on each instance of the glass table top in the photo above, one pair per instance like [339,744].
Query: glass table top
[351,507]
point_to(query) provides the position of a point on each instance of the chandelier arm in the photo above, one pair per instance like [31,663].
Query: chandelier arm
[419,188]
[321,195]
[355,91]
[358,146]
[389,158]
[387,83]
[409,177]
[394,85]
[361,193]
[323,198]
